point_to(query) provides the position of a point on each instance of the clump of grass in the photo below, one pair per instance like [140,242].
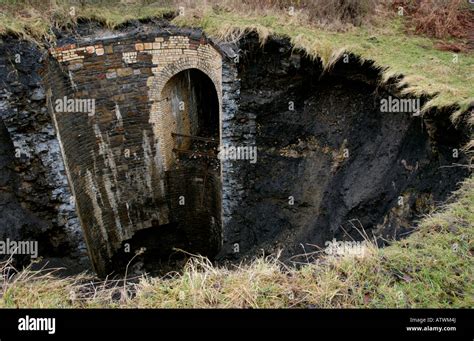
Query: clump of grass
[433,267]
[36,288]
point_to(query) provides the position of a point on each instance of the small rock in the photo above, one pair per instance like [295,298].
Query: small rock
[373,39]
[38,94]
[453,229]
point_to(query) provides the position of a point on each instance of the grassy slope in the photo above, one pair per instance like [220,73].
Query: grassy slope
[431,268]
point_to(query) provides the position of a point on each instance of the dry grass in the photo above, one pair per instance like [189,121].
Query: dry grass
[438,18]
[433,267]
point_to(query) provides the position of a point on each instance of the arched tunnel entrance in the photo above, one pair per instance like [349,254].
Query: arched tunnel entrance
[189,106]
[192,97]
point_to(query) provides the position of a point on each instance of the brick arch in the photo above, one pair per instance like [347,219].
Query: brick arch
[205,59]
[165,121]
[173,69]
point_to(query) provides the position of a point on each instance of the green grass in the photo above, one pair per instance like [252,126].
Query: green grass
[433,267]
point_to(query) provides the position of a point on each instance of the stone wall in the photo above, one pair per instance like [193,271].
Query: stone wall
[35,198]
[238,130]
